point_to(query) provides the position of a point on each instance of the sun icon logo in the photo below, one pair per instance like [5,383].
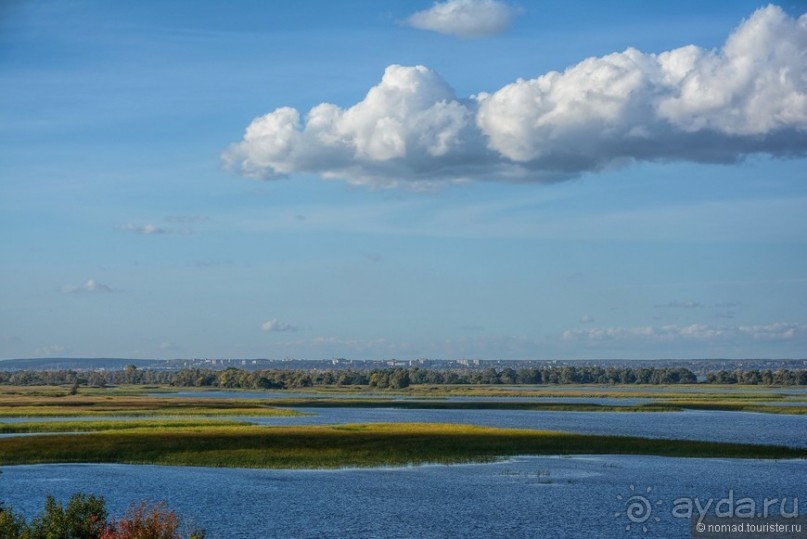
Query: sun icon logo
[638,509]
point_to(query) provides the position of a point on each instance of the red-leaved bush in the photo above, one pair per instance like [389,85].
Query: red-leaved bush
[145,522]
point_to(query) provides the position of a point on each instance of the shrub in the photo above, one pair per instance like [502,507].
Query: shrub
[144,522]
[11,526]
[85,517]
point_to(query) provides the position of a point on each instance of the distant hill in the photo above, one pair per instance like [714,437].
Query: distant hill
[67,363]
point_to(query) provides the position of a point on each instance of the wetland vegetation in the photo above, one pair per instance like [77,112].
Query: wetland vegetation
[338,446]
[48,401]
[206,431]
[657,405]
[86,517]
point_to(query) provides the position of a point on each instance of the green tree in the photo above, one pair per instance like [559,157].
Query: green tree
[508,376]
[83,518]
[11,526]
[230,378]
[489,376]
[379,379]
[399,379]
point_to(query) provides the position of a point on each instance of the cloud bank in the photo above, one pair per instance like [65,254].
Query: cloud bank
[700,332]
[465,18]
[687,104]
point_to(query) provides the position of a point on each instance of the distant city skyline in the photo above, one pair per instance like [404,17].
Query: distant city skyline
[403,179]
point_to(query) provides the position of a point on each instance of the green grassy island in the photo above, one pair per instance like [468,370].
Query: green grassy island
[362,445]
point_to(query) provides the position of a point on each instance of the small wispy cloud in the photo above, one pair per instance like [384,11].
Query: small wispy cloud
[586,319]
[142,229]
[152,229]
[697,332]
[680,305]
[90,287]
[277,326]
[695,305]
[465,18]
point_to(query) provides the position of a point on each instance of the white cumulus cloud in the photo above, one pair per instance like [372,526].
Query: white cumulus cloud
[465,18]
[408,127]
[689,104]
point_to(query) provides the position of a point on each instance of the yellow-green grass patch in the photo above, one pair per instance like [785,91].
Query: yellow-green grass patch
[349,446]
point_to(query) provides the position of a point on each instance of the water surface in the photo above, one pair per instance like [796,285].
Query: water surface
[526,497]
[706,425]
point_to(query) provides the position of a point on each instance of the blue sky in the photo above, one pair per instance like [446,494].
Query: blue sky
[646,200]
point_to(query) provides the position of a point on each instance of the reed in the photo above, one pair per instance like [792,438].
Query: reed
[617,391]
[105,425]
[34,405]
[659,405]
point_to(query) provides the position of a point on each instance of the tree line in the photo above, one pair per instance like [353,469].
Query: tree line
[396,378]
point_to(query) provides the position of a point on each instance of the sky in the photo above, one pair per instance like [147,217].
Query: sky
[377,179]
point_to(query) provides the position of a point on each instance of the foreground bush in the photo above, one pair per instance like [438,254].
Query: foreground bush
[85,517]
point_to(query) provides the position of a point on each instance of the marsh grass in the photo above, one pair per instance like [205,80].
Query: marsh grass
[653,406]
[414,404]
[34,391]
[34,405]
[359,445]
[617,391]
[107,425]
[52,401]
[731,406]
